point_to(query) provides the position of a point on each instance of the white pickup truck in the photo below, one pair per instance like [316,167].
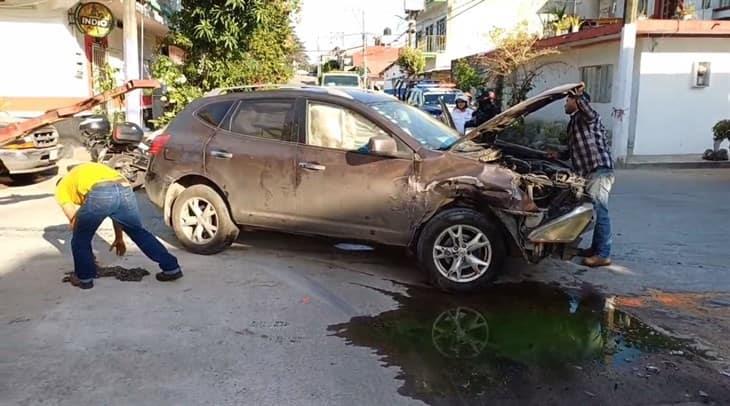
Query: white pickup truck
[341,79]
[36,152]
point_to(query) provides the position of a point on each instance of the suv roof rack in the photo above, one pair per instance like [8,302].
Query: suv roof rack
[251,88]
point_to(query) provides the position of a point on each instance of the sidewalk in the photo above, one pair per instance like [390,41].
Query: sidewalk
[683,161]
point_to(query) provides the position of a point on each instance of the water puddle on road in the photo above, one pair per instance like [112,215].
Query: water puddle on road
[514,342]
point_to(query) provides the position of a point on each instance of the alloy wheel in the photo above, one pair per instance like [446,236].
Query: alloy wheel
[462,253]
[199,221]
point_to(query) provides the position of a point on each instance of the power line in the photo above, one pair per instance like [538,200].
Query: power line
[478,2]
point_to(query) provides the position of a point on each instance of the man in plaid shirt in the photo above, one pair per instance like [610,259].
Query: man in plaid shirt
[591,158]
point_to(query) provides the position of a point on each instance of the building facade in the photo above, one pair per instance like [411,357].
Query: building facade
[56,64]
[679,75]
[453,29]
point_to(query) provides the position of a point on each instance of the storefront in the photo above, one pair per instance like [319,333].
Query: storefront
[62,49]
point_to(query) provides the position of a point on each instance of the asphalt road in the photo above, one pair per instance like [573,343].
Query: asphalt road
[279,320]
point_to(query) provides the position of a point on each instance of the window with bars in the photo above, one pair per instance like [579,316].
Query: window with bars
[723,4]
[441,27]
[599,82]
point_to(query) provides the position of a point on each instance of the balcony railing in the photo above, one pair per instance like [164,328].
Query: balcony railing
[549,29]
[432,43]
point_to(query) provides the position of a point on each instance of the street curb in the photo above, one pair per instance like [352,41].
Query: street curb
[676,165]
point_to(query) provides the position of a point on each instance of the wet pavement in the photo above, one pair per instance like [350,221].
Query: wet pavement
[530,343]
[286,320]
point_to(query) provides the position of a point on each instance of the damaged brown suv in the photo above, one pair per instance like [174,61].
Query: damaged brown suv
[359,165]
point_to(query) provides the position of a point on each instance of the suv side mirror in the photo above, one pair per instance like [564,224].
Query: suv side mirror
[382,145]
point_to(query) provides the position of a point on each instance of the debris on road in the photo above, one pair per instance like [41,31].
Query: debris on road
[353,247]
[118,272]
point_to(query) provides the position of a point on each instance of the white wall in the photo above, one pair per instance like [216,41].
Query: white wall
[673,117]
[40,55]
[565,68]
[470,23]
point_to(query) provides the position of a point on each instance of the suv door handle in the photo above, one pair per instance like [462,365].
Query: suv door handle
[312,166]
[221,154]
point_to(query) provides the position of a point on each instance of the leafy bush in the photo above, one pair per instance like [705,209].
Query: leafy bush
[536,133]
[412,61]
[721,130]
[467,76]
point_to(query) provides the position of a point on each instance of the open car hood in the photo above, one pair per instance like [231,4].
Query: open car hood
[507,117]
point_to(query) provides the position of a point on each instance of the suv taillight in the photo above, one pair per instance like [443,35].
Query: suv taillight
[158,144]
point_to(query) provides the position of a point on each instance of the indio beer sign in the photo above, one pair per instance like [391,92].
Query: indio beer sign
[94,19]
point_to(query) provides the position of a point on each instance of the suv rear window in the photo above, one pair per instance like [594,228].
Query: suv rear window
[213,113]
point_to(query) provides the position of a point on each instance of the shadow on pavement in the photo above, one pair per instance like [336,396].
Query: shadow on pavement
[15,198]
[59,236]
[27,179]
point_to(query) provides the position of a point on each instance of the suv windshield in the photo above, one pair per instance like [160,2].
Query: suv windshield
[431,99]
[430,132]
[341,80]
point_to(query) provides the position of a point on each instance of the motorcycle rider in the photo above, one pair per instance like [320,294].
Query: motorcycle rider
[461,113]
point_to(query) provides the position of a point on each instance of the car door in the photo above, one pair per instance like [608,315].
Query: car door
[341,189]
[252,157]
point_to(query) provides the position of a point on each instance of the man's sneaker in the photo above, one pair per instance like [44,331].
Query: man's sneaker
[169,276]
[75,281]
[596,261]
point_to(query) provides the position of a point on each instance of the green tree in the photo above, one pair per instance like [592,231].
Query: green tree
[466,76]
[330,65]
[412,61]
[517,61]
[227,43]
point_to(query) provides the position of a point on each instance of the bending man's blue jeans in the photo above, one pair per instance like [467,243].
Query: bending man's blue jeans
[119,203]
[599,187]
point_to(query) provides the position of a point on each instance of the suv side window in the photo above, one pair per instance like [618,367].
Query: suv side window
[268,119]
[337,127]
[214,113]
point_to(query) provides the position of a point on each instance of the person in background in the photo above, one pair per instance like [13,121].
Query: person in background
[88,194]
[487,107]
[591,157]
[461,113]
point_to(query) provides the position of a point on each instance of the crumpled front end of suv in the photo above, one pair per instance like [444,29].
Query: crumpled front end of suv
[544,210]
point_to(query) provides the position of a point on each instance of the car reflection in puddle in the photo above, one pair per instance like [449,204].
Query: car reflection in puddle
[513,343]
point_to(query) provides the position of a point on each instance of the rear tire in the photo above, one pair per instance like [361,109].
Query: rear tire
[462,250]
[202,222]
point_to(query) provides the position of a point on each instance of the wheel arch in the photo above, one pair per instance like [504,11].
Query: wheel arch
[510,240]
[184,182]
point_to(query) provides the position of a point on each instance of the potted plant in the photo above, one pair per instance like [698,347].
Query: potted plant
[573,22]
[721,132]
[561,26]
[686,11]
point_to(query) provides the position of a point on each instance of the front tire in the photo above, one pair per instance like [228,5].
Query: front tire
[202,222]
[462,250]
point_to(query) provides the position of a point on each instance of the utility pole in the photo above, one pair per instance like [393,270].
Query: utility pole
[411,29]
[623,109]
[364,51]
[133,103]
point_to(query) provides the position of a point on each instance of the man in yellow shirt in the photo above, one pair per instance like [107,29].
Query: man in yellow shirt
[88,194]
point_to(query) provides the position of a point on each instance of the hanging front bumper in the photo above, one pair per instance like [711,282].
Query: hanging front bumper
[566,228]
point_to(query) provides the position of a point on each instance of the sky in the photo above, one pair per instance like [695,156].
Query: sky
[325,24]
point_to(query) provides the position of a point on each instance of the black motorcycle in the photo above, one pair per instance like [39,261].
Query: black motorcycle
[120,147]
